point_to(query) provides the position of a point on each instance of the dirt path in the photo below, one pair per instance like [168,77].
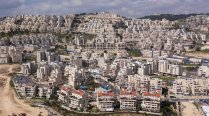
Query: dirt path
[189,109]
[9,103]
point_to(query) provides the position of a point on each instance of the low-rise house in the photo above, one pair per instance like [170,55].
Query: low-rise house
[127,100]
[105,101]
[25,87]
[151,102]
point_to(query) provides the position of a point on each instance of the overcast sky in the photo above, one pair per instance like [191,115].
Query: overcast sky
[129,8]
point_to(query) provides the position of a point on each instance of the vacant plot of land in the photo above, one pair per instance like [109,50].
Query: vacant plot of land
[9,103]
[198,54]
[189,109]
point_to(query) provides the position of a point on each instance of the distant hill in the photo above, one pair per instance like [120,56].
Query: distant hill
[171,17]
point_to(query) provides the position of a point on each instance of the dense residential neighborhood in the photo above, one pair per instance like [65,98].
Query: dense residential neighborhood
[103,62]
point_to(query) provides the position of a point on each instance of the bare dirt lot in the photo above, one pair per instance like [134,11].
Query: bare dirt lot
[9,103]
[198,54]
[189,109]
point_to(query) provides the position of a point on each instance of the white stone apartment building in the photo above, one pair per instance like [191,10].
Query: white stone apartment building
[127,100]
[74,74]
[72,98]
[11,54]
[199,87]
[148,67]
[181,87]
[44,55]
[190,86]
[203,70]
[156,85]
[143,83]
[16,54]
[24,86]
[78,100]
[25,69]
[165,66]
[40,56]
[154,65]
[28,68]
[105,100]
[64,93]
[151,102]
[43,71]
[144,69]
[139,82]
[45,91]
[55,77]
[50,73]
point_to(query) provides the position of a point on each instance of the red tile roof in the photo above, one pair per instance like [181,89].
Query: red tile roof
[65,88]
[151,94]
[79,92]
[105,94]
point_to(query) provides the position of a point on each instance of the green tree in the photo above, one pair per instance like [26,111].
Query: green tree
[138,105]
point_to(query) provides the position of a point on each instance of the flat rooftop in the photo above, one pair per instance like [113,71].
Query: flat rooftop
[23,80]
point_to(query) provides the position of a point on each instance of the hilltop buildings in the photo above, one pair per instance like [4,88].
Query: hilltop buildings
[96,69]
[38,23]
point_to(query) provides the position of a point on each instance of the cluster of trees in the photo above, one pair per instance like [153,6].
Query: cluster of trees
[134,52]
[12,33]
[167,108]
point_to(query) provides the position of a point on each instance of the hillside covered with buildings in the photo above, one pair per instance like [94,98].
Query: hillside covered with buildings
[104,62]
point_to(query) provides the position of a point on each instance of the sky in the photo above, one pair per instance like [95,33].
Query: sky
[128,8]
